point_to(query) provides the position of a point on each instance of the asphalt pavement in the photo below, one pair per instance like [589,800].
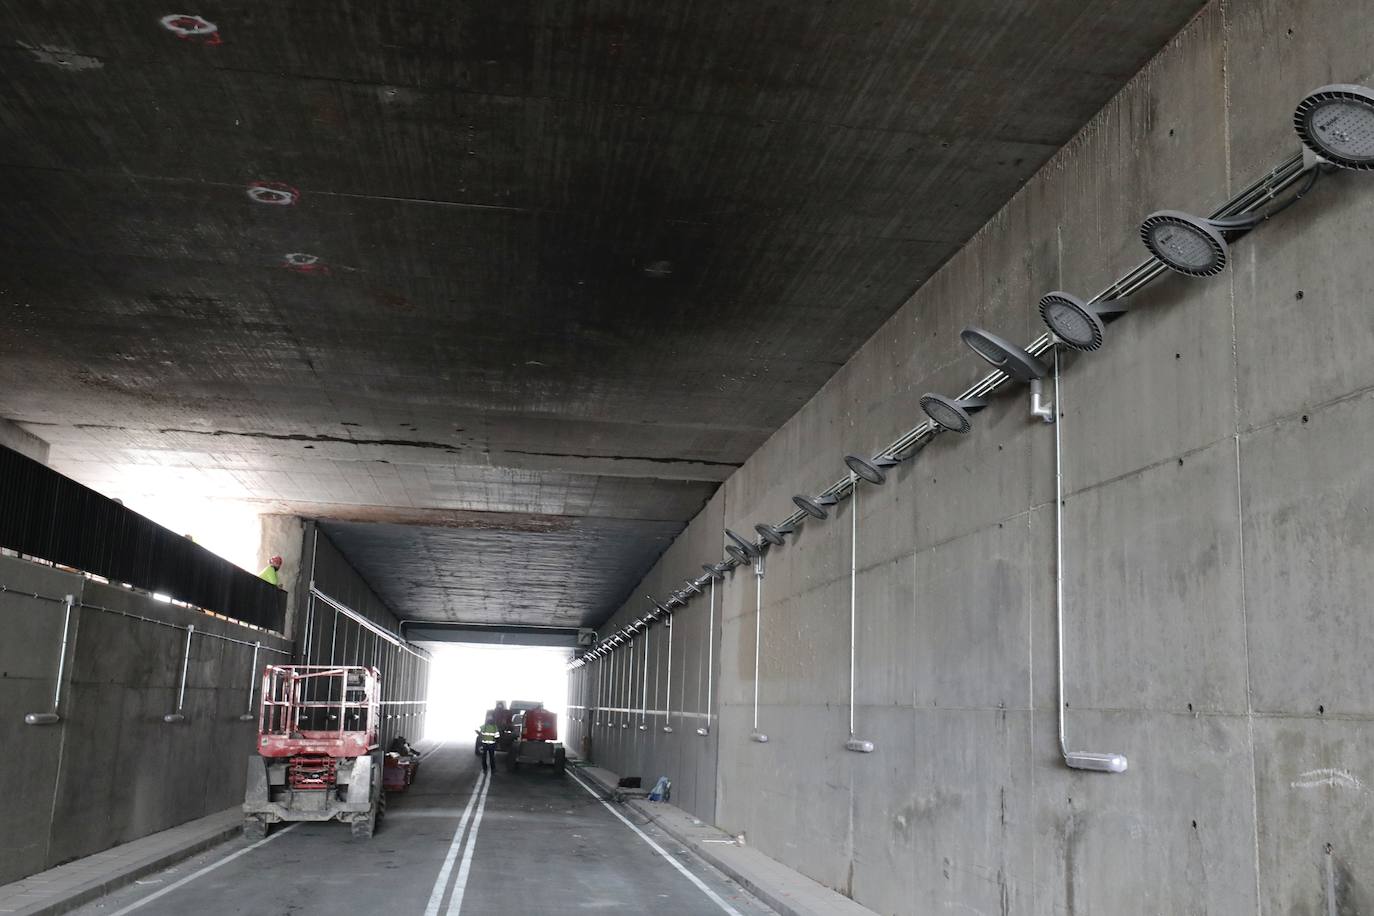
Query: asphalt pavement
[457,842]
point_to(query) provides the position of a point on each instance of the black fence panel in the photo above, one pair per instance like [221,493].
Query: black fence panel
[46,515]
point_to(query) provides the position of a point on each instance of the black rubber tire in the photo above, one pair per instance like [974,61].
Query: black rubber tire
[560,761]
[254,827]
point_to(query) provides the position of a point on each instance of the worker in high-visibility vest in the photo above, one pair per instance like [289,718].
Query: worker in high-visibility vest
[269,572]
[486,743]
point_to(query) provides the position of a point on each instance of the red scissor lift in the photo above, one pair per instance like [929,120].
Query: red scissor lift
[318,758]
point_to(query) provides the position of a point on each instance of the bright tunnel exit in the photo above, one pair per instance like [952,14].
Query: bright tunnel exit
[467,679]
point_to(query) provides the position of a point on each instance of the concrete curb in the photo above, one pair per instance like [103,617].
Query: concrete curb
[67,887]
[798,896]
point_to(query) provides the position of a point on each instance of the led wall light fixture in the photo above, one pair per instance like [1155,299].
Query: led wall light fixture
[750,549]
[774,534]
[1003,354]
[1337,123]
[1078,324]
[1187,244]
[872,470]
[816,507]
[951,413]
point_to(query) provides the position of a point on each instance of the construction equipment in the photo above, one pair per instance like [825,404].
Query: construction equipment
[317,758]
[400,765]
[535,738]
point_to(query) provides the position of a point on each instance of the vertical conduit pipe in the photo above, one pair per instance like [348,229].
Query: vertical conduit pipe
[668,699]
[181,691]
[857,745]
[50,718]
[710,650]
[644,689]
[252,683]
[629,684]
[758,736]
[1078,760]
[600,680]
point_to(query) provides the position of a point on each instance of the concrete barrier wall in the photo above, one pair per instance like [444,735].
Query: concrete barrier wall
[112,770]
[1219,500]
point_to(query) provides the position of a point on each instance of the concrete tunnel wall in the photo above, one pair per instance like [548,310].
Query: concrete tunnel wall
[112,770]
[1218,523]
[328,637]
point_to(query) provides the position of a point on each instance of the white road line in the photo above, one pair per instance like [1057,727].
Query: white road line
[701,885]
[196,874]
[460,886]
[436,896]
[433,749]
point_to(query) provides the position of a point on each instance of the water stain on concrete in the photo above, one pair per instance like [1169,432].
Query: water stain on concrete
[65,58]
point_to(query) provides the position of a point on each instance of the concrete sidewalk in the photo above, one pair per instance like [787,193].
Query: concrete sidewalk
[785,890]
[62,889]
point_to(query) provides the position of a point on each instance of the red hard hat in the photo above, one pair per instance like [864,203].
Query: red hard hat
[275,561]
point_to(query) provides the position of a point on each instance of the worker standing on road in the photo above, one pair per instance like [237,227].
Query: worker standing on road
[269,572]
[488,734]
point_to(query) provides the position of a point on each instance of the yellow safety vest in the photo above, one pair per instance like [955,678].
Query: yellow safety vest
[269,575]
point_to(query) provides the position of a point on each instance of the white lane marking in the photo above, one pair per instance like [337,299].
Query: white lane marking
[433,749]
[460,886]
[206,870]
[701,885]
[436,896]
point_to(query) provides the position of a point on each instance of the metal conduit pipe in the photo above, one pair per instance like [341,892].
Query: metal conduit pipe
[600,679]
[710,660]
[629,689]
[857,745]
[1079,760]
[51,718]
[178,716]
[644,688]
[758,736]
[668,697]
[252,683]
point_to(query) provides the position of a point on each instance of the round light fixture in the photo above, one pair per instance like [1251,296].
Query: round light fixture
[773,534]
[750,549]
[951,413]
[1072,320]
[1004,355]
[814,507]
[1185,243]
[870,470]
[1337,123]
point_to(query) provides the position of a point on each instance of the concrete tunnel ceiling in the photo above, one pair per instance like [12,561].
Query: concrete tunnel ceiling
[501,291]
